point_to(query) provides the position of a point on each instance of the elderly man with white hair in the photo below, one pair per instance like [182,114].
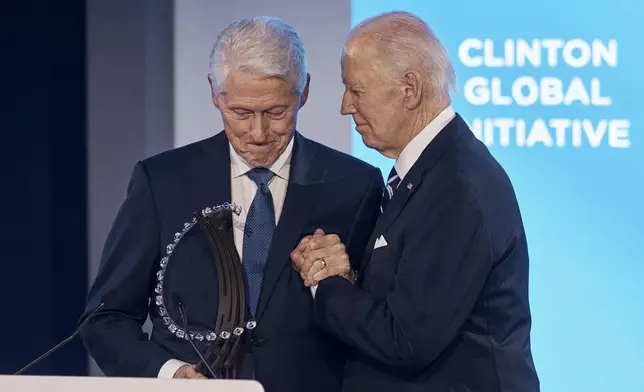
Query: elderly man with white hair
[285,186]
[441,300]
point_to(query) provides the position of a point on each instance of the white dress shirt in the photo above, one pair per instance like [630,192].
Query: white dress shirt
[243,191]
[417,145]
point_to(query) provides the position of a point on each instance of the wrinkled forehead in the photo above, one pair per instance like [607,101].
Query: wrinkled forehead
[247,89]
[361,62]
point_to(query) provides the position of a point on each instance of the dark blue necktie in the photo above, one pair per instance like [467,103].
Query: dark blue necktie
[258,233]
[392,183]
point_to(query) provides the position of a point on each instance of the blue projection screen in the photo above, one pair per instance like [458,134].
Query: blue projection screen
[554,89]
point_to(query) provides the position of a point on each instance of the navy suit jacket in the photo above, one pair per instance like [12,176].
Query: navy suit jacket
[327,189]
[444,305]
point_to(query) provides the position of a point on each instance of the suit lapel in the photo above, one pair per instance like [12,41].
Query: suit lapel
[412,181]
[401,195]
[301,197]
[212,172]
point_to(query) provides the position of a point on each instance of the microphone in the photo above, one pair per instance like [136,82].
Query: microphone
[177,299]
[105,299]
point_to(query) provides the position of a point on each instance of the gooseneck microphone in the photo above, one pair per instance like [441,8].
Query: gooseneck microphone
[177,299]
[107,298]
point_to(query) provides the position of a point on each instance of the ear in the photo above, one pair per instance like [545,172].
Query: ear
[305,92]
[213,95]
[413,90]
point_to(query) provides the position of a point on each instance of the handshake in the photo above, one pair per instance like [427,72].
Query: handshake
[316,257]
[319,256]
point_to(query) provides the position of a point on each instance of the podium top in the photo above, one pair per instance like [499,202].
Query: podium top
[112,384]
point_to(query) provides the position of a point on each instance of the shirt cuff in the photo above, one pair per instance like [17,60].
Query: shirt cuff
[170,368]
[313,290]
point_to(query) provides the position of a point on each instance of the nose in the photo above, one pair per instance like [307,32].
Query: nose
[259,128]
[347,106]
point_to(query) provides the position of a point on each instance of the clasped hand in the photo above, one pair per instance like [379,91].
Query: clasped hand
[319,256]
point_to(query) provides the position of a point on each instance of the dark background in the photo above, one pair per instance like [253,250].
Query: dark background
[43,234]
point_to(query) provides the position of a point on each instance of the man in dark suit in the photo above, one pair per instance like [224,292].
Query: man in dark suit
[286,185]
[441,299]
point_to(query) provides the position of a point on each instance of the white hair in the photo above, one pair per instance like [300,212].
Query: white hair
[405,42]
[263,46]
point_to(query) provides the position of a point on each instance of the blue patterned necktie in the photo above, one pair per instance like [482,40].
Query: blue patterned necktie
[392,183]
[258,233]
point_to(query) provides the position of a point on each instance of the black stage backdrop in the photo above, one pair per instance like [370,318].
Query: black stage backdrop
[43,245]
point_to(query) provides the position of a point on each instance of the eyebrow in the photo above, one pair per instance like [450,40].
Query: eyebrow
[272,108]
[351,84]
[278,107]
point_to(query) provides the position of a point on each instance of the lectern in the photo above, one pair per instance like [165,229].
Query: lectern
[113,384]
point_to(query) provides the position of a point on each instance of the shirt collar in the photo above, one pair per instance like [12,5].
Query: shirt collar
[280,168]
[417,145]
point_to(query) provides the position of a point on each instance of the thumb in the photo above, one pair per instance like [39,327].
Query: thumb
[303,243]
[319,232]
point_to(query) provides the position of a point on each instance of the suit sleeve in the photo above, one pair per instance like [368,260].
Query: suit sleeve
[446,257]
[114,338]
[365,220]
